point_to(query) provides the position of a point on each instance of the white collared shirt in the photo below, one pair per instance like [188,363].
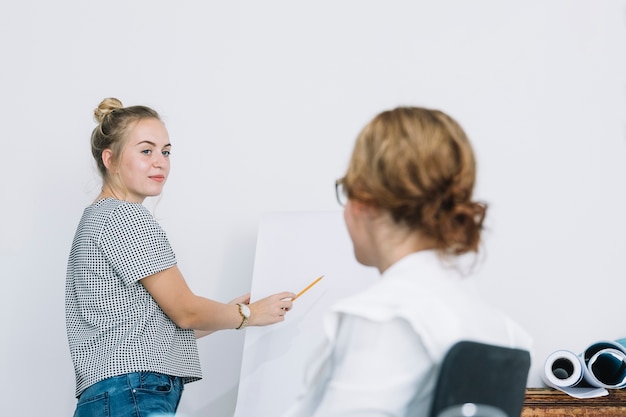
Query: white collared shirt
[385,344]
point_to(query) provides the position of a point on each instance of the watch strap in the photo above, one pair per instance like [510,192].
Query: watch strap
[244,318]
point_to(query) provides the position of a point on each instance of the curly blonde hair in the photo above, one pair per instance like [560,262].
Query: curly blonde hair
[419,164]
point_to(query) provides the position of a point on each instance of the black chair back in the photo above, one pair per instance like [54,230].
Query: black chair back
[479,373]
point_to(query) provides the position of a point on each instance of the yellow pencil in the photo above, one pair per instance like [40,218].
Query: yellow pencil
[307,287]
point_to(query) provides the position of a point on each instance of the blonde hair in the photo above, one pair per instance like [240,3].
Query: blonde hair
[419,164]
[111,133]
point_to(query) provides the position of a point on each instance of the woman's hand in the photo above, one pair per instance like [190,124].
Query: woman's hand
[270,310]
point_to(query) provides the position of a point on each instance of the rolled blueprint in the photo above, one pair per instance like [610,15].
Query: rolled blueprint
[605,364]
[602,365]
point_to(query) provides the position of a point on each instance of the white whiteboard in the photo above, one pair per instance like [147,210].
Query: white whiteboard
[292,250]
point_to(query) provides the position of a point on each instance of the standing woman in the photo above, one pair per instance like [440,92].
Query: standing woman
[130,315]
[409,213]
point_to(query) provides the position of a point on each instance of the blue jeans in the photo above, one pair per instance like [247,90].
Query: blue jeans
[138,394]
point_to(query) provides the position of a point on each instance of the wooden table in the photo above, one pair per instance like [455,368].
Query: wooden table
[547,402]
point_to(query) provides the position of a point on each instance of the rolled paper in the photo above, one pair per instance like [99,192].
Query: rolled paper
[600,367]
[563,368]
[565,371]
[605,364]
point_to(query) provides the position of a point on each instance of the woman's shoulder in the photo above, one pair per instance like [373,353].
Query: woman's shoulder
[411,283]
[118,214]
[112,206]
[381,300]
[439,315]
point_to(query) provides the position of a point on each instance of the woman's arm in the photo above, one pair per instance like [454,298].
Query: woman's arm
[189,311]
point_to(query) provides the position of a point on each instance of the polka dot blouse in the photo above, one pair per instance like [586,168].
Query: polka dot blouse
[114,326]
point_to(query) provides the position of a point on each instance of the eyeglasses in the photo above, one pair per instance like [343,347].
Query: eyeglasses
[340,192]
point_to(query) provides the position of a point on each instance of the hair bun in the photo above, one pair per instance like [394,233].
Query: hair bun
[105,107]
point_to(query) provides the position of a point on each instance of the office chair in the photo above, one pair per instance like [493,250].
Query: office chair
[472,410]
[486,376]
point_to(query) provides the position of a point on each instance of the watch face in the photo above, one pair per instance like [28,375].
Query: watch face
[245,310]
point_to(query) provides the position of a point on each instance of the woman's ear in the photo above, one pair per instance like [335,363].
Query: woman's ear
[107,159]
[364,208]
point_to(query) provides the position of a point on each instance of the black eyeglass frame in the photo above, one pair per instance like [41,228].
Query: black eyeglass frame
[340,192]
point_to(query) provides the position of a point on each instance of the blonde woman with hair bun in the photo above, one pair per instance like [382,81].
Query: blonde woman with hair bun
[131,319]
[410,213]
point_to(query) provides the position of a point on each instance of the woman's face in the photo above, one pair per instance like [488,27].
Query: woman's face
[145,161]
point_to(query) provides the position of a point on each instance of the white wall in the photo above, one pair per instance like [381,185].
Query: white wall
[263,101]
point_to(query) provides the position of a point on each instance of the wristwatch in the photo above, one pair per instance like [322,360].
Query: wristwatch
[244,310]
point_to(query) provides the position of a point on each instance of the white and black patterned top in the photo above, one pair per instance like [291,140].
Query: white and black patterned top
[114,326]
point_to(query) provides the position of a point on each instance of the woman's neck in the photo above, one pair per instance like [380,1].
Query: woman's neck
[108,192]
[394,241]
